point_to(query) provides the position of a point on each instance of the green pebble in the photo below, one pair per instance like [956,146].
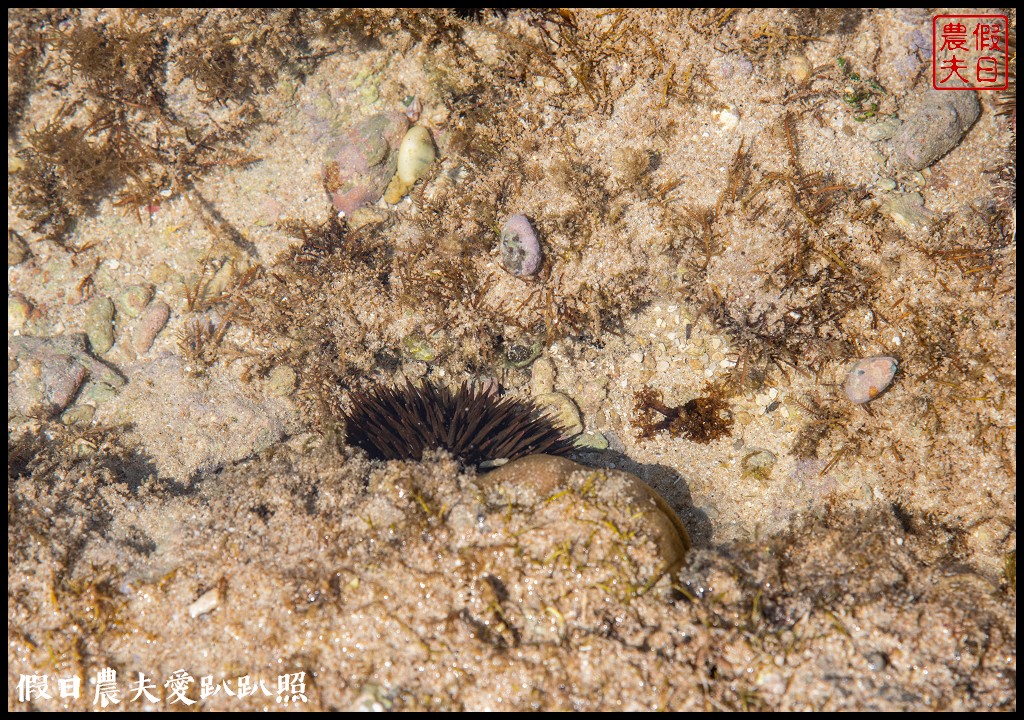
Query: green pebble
[99,392]
[562,410]
[99,324]
[418,348]
[592,441]
[78,415]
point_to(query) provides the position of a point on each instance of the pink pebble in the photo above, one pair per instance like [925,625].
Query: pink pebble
[868,378]
[519,247]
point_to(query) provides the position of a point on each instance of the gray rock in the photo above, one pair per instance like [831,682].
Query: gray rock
[937,127]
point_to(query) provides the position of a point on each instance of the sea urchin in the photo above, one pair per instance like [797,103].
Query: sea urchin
[473,424]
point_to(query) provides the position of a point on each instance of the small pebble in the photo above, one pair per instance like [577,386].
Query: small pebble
[908,210]
[17,249]
[521,355]
[591,441]
[282,381]
[150,325]
[798,68]
[372,698]
[78,415]
[882,129]
[414,369]
[207,602]
[562,410]
[728,118]
[99,392]
[99,324]
[519,247]
[222,280]
[419,348]
[935,128]
[877,660]
[18,310]
[134,299]
[868,378]
[363,161]
[759,463]
[728,67]
[413,109]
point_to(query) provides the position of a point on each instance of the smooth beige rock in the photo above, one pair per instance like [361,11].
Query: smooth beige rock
[539,477]
[415,155]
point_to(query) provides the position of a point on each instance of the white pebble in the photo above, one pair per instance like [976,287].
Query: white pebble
[205,603]
[728,119]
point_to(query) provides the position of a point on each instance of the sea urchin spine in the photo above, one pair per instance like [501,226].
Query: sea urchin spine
[471,423]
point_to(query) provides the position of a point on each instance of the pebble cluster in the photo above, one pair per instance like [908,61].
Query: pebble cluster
[132,308]
[45,374]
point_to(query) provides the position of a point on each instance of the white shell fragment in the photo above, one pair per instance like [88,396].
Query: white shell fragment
[207,602]
[868,378]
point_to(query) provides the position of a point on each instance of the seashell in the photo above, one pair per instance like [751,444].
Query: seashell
[414,109]
[519,247]
[869,378]
[415,155]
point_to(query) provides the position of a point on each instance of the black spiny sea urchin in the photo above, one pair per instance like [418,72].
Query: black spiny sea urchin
[471,423]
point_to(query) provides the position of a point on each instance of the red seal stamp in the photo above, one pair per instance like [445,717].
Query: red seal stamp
[970,52]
